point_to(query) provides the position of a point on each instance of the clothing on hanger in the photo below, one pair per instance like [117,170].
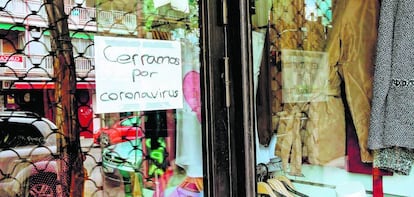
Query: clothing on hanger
[289,186]
[278,187]
[274,184]
[391,133]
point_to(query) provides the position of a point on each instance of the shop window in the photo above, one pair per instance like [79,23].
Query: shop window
[312,52]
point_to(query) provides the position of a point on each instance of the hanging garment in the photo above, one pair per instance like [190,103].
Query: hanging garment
[351,48]
[261,74]
[261,89]
[392,124]
[188,126]
[324,134]
[286,34]
[264,136]
[289,145]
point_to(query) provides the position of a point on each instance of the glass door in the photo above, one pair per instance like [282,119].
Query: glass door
[148,95]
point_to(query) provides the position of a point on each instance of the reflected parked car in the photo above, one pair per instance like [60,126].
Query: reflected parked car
[27,146]
[121,131]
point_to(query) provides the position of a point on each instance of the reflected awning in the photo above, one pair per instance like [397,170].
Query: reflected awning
[73,34]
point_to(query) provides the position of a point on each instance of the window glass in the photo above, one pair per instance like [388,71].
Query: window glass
[319,55]
[15,134]
[148,97]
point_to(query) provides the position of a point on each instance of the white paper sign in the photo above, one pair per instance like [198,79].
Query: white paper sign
[305,76]
[137,74]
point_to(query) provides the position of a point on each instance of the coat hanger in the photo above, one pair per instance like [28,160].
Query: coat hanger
[289,186]
[278,187]
[265,189]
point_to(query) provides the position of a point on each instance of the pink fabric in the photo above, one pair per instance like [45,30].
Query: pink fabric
[191,88]
[181,192]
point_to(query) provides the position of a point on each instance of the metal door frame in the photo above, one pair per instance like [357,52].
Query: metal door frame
[228,99]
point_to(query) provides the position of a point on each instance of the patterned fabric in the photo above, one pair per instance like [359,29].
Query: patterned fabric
[391,123]
[398,160]
[190,187]
[392,107]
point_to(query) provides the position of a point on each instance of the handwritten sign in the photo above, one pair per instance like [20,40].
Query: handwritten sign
[137,74]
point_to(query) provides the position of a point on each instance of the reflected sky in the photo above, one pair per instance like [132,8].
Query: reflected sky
[319,8]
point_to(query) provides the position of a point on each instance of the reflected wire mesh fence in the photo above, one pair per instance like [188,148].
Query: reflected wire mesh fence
[296,35]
